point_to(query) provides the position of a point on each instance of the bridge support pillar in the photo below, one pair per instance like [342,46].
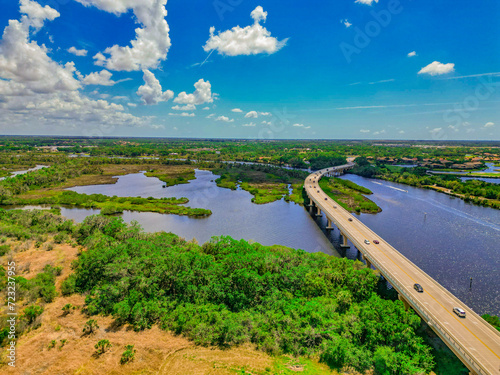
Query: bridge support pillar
[368,263]
[329,224]
[405,303]
[344,240]
[318,213]
[311,207]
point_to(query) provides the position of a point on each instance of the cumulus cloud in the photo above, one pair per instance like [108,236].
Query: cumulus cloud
[206,108]
[367,2]
[236,110]
[183,114]
[36,13]
[152,40]
[250,40]
[187,107]
[436,68]
[102,78]
[250,124]
[202,94]
[412,53]
[252,114]
[346,23]
[78,52]
[151,92]
[489,124]
[364,131]
[224,119]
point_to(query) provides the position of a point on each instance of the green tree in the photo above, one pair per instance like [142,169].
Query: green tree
[102,346]
[90,327]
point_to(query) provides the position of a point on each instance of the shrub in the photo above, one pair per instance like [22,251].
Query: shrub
[128,355]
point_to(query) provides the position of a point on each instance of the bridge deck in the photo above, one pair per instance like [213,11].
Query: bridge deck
[472,339]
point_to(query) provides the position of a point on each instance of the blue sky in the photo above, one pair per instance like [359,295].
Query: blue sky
[342,69]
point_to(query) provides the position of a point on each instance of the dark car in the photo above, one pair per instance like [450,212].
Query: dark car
[326,199]
[349,219]
[418,288]
[318,191]
[376,241]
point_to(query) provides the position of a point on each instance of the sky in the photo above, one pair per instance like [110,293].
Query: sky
[267,69]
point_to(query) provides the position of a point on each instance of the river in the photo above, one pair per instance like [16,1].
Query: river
[449,239]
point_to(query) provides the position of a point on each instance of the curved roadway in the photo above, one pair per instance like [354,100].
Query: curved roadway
[472,339]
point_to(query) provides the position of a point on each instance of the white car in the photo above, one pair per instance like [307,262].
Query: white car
[367,242]
[460,312]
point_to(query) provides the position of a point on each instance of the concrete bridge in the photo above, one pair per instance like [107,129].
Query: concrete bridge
[472,339]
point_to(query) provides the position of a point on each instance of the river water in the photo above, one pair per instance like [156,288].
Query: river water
[449,239]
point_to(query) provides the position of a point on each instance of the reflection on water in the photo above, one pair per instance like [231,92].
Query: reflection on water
[233,213]
[448,238]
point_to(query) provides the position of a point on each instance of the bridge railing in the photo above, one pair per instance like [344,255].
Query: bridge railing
[419,307]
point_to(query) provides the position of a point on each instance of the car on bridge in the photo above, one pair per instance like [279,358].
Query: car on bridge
[460,312]
[367,242]
[418,288]
[326,199]
[376,241]
[350,219]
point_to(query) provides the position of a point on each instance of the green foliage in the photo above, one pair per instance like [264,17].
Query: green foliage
[68,285]
[52,344]
[348,195]
[68,308]
[32,312]
[102,345]
[128,355]
[229,292]
[4,249]
[493,320]
[90,327]
[324,161]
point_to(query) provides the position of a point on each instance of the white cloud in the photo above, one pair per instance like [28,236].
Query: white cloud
[412,53]
[364,131]
[78,52]
[151,92]
[346,23]
[489,124]
[211,115]
[202,94]
[206,109]
[436,68]
[401,132]
[298,125]
[252,114]
[236,110]
[36,91]
[266,122]
[265,113]
[435,130]
[102,78]
[152,41]
[224,118]
[367,2]
[183,114]
[133,105]
[187,107]
[251,40]
[251,124]
[37,14]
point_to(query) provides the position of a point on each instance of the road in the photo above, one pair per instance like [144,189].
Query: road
[472,339]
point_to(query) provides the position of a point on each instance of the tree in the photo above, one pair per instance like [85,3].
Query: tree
[90,327]
[32,312]
[102,345]
[68,308]
[128,355]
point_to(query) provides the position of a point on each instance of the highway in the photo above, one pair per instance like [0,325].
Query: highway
[472,339]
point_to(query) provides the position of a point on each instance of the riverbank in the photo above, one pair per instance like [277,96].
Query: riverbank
[267,184]
[349,195]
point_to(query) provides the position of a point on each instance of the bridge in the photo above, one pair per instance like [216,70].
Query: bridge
[472,339]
